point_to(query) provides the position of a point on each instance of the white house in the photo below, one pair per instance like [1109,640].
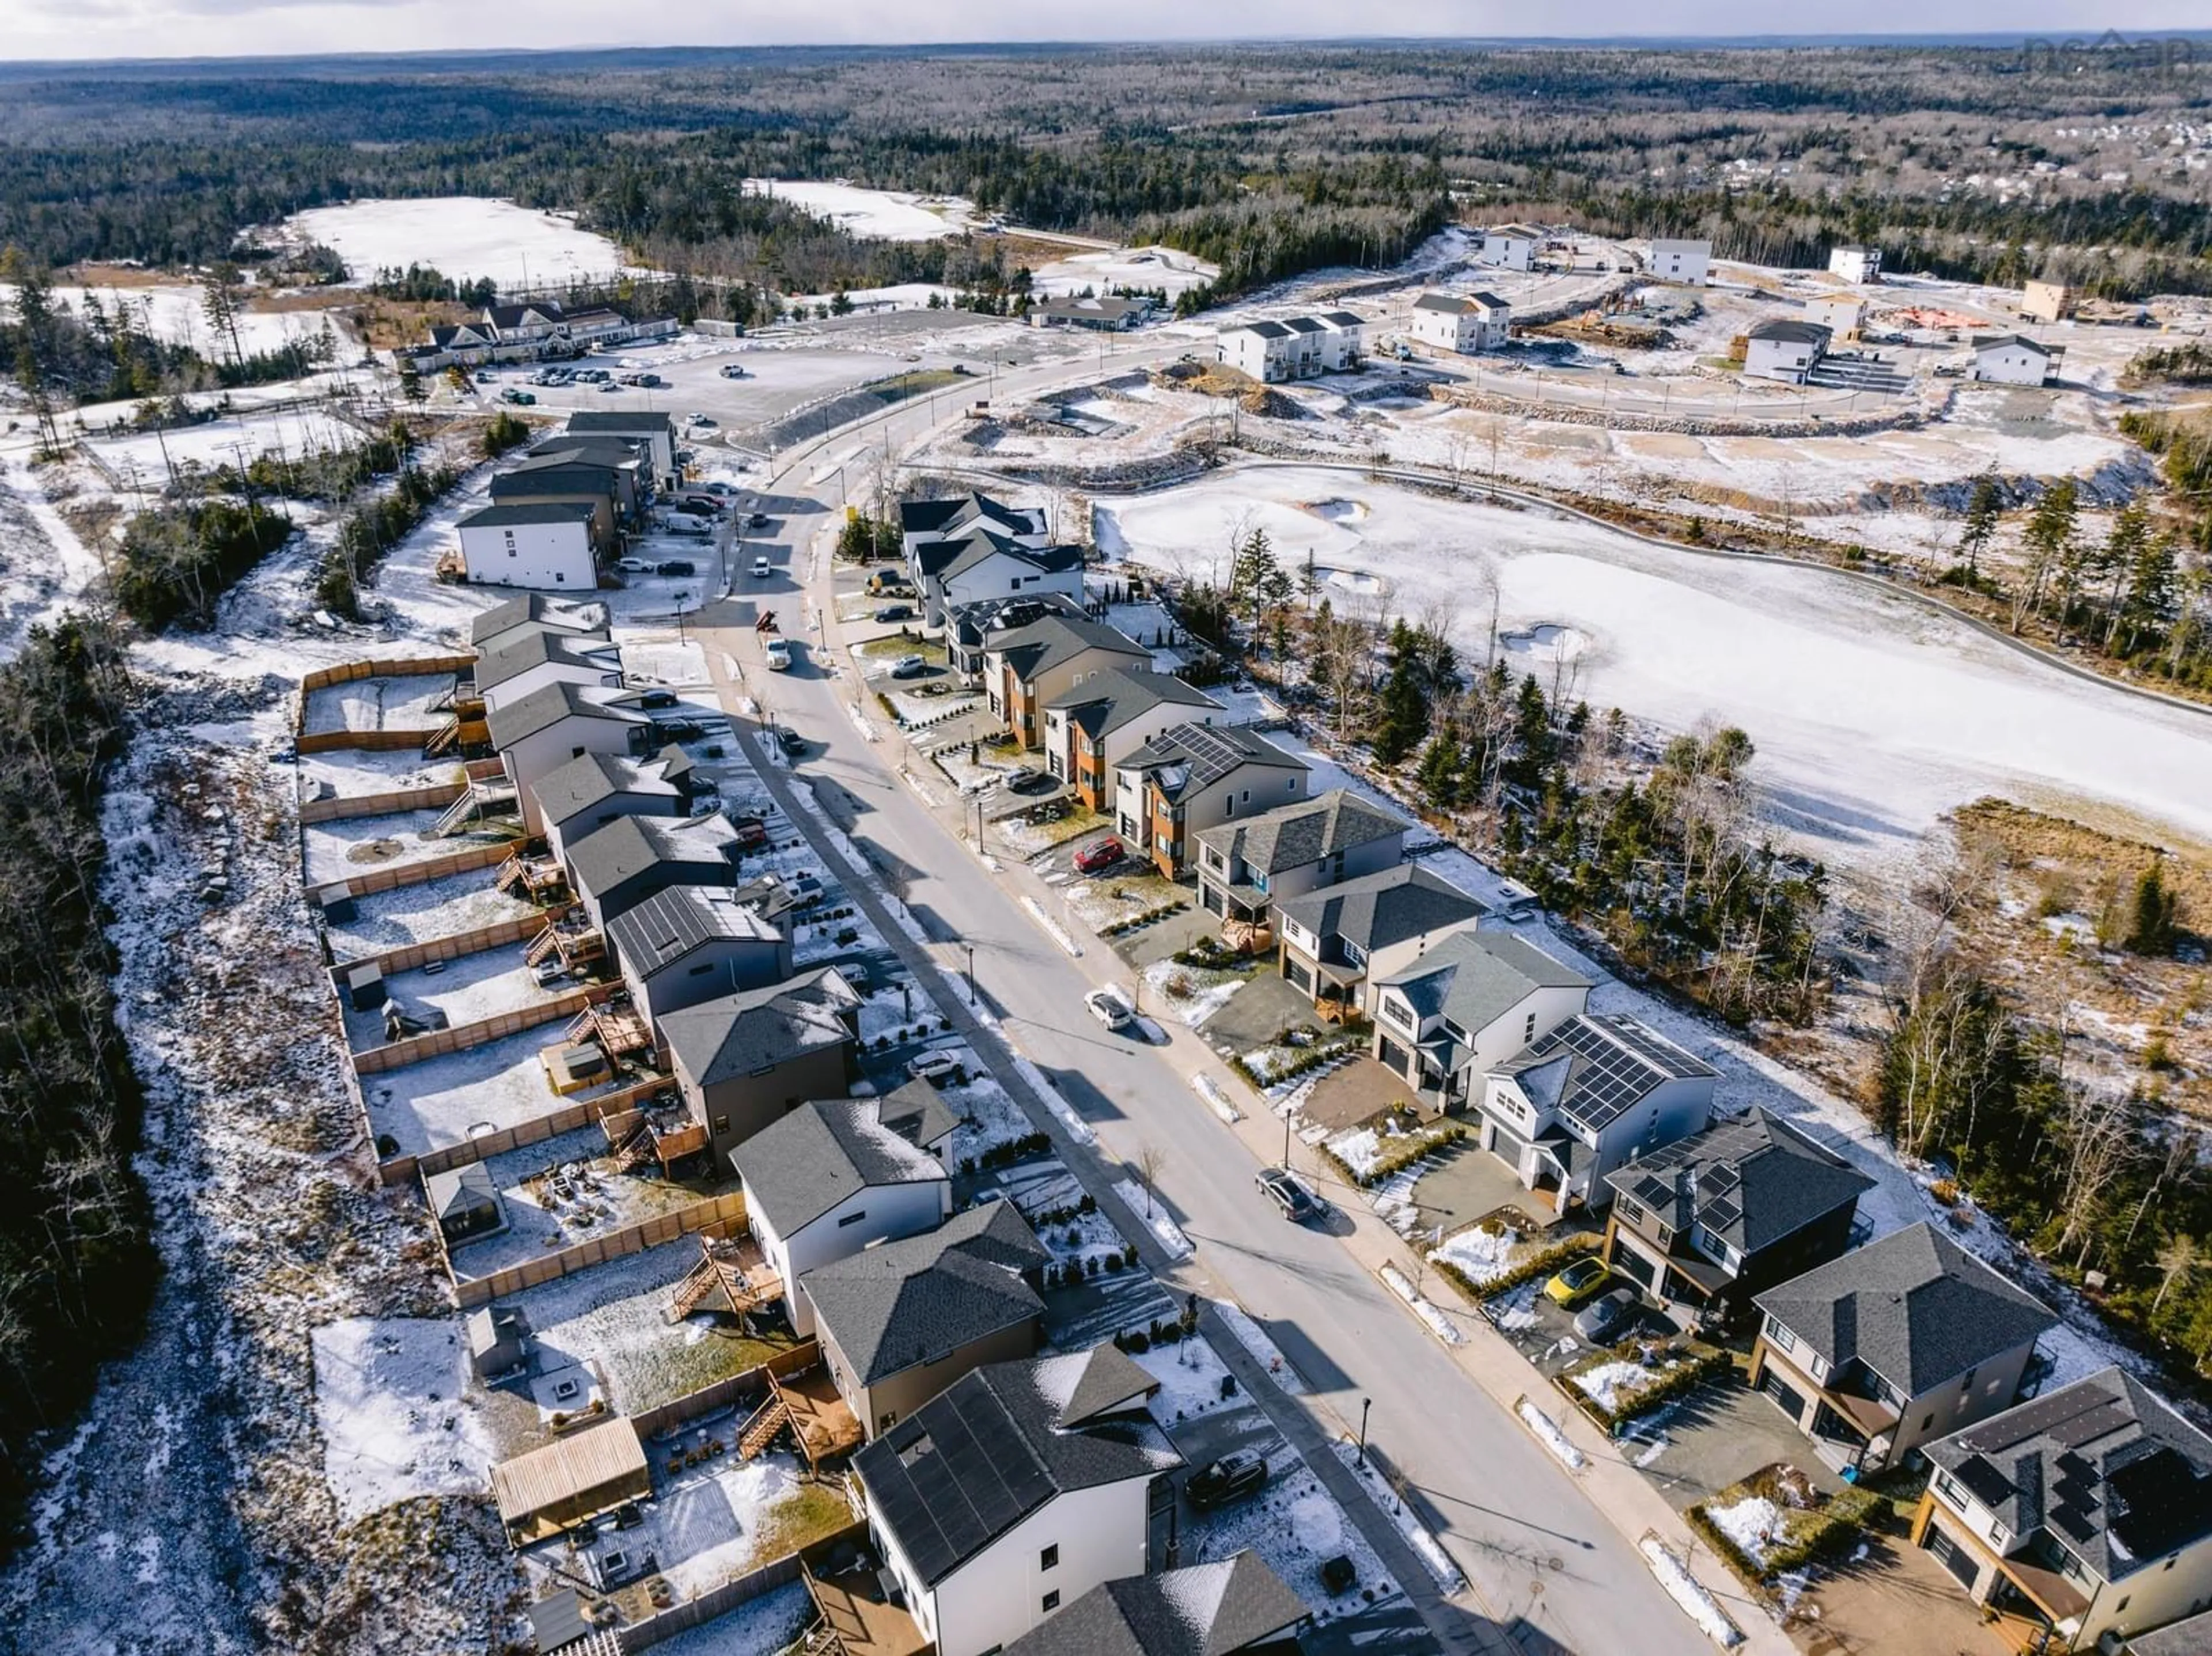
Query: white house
[656,430]
[1686,261]
[1462,322]
[1339,940]
[1784,350]
[1295,348]
[929,530]
[1509,247]
[544,730]
[544,544]
[983,565]
[2016,360]
[528,658]
[1588,1097]
[1092,725]
[1343,341]
[1473,1001]
[1856,265]
[839,1175]
[1260,351]
[1839,314]
[1017,1489]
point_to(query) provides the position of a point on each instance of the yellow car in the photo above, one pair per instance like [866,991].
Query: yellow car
[1578,1280]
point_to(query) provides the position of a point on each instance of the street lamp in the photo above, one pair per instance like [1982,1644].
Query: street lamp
[1363,1405]
[970,948]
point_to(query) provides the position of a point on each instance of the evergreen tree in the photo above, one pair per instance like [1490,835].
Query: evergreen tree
[1405,720]
[2151,591]
[1442,774]
[1983,512]
[2151,921]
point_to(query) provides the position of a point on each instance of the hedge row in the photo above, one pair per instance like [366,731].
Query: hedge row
[1686,1377]
[1542,1263]
[1137,922]
[1409,1150]
[1312,1058]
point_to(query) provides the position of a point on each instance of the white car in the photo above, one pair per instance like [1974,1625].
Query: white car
[762,567]
[634,566]
[1110,1009]
[936,1068]
[731,371]
[779,655]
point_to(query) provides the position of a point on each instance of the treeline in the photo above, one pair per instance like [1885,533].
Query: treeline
[425,283]
[367,534]
[176,561]
[77,1266]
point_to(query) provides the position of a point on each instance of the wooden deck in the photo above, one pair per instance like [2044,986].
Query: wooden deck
[854,1606]
[825,1424]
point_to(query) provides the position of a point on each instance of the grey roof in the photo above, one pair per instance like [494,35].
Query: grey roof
[1111,697]
[535,512]
[1475,978]
[628,845]
[1290,836]
[556,475]
[1914,1306]
[1205,1610]
[615,420]
[1681,244]
[756,1028]
[2001,341]
[1111,305]
[533,646]
[1449,304]
[980,545]
[1189,757]
[546,707]
[900,1305]
[1791,333]
[800,1168]
[1304,324]
[1264,329]
[593,777]
[460,1190]
[1377,910]
[528,607]
[1751,1181]
[977,619]
[2104,1466]
[515,316]
[987,1451]
[1047,641]
[1595,1067]
[670,924]
[1343,320]
[917,1113]
[945,516]
[609,448]
[2190,1637]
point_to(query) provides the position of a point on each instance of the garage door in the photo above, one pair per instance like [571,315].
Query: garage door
[1791,1399]
[1210,900]
[1393,1055]
[1634,1266]
[1962,1564]
[1300,977]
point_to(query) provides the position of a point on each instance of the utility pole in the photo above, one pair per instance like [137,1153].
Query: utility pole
[1364,1404]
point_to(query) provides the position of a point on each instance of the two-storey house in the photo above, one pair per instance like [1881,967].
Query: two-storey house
[1472,1000]
[537,733]
[1246,865]
[1238,1607]
[686,944]
[1191,777]
[744,1060]
[1341,939]
[1026,666]
[1091,726]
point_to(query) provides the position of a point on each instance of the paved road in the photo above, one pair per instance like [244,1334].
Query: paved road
[1540,1556]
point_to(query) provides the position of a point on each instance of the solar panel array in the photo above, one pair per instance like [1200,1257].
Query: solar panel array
[1213,754]
[1611,1078]
[955,1478]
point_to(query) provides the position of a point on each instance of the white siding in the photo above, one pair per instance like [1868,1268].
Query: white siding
[1000,576]
[881,1213]
[998,1595]
[554,556]
[608,676]
[544,751]
[1682,261]
[2011,364]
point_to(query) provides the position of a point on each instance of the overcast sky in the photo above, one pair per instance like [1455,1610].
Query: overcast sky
[222,28]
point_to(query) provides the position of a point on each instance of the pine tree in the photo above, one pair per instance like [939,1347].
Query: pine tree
[1405,720]
[1442,773]
[2151,591]
[2151,922]
[1983,513]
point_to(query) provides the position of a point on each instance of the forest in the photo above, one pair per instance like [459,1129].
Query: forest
[1267,160]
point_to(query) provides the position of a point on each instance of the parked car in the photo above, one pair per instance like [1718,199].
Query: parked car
[779,655]
[1230,1479]
[1029,781]
[520,398]
[792,742]
[677,729]
[1110,1009]
[938,1069]
[762,567]
[732,371]
[1096,859]
[1608,1317]
[608,385]
[703,423]
[909,667]
[1290,1193]
[657,698]
[757,520]
[634,566]
[678,567]
[1578,1280]
[721,490]
[888,581]
[895,612]
[805,888]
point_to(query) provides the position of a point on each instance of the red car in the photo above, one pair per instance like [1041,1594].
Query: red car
[1096,859]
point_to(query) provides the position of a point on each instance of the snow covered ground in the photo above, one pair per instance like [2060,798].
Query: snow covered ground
[391,1399]
[878,215]
[293,432]
[1872,715]
[465,237]
[1148,268]
[177,315]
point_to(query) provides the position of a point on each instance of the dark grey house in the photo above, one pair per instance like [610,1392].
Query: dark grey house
[744,1060]
[617,867]
[692,943]
[1238,1607]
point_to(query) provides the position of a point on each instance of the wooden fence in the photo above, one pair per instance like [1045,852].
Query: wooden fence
[483,854]
[438,1043]
[721,1601]
[366,741]
[581,1112]
[724,1393]
[349,672]
[522,928]
[346,806]
[615,1245]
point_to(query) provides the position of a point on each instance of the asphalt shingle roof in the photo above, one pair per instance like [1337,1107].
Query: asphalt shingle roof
[546,707]
[616,420]
[936,517]
[1914,1306]
[1291,836]
[1047,641]
[2104,1466]
[1186,757]
[1204,1609]
[800,1168]
[903,1304]
[1793,333]
[669,924]
[1475,978]
[1751,1181]
[757,1029]
[986,1451]
[628,845]
[593,777]
[528,646]
[981,545]
[1110,698]
[510,613]
[1377,910]
[534,511]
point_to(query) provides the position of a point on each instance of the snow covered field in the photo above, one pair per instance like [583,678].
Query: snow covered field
[465,237]
[177,315]
[1166,268]
[293,432]
[881,215]
[1871,714]
[390,1398]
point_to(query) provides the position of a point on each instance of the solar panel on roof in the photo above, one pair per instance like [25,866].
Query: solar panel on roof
[2034,1420]
[2074,1523]
[1212,754]
[1988,1484]
[2090,1425]
[1723,1214]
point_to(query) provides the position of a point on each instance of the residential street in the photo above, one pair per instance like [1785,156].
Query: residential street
[1546,1564]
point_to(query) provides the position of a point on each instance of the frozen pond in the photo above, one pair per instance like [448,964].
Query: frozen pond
[1872,714]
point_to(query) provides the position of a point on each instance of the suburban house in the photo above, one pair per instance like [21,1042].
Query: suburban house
[530,658]
[687,944]
[488,628]
[562,479]
[1295,348]
[1839,314]
[628,462]
[1509,247]
[1108,313]
[1260,351]
[1016,1491]
[1907,1339]
[1238,1607]
[1786,350]
[2047,301]
[1248,865]
[537,331]
[544,730]
[1191,777]
[901,1321]
[547,544]
[2015,360]
[924,523]
[1472,1001]
[1679,260]
[1711,1220]
[616,868]
[1341,939]
[968,627]
[1464,323]
[656,430]
[1091,726]
[579,798]
[2077,1518]
[1589,1097]
[744,1060]
[1856,266]
[839,1175]
[1024,667]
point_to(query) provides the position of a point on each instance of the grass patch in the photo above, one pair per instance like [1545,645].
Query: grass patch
[814,1511]
[1675,1370]
[1812,1526]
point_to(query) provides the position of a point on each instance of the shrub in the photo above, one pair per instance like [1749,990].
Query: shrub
[1693,1371]
[1402,1152]
[1542,1263]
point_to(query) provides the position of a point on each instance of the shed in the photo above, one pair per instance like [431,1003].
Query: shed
[337,903]
[465,1202]
[365,986]
[570,1481]
[499,1337]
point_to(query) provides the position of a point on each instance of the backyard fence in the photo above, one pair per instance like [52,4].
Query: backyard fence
[404,1169]
[724,1393]
[350,672]
[439,1043]
[485,854]
[347,806]
[730,1207]
[721,1601]
[520,929]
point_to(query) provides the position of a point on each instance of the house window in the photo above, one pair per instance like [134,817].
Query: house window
[1927,1421]
[1966,1381]
[1949,1490]
[1528,1030]
[852,1218]
[1354,954]
[1229,806]
[1050,1558]
[1777,1336]
[1052,1600]
[721,1126]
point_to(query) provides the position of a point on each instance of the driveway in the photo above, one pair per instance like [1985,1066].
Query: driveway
[1723,1432]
